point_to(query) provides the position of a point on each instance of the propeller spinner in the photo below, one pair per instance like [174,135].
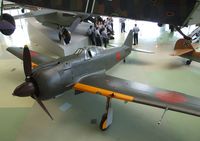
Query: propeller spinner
[28,88]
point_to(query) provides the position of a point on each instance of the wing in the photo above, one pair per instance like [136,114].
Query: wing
[54,18]
[179,52]
[34,13]
[136,92]
[36,57]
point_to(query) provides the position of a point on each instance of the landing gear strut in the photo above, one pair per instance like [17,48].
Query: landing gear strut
[184,36]
[107,117]
[188,62]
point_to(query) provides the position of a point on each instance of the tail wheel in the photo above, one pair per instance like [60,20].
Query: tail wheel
[10,19]
[188,62]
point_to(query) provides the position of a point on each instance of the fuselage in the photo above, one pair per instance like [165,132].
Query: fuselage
[58,76]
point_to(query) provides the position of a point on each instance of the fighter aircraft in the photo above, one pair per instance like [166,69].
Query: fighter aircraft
[51,77]
[185,49]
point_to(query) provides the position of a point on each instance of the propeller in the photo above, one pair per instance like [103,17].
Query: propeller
[27,62]
[29,88]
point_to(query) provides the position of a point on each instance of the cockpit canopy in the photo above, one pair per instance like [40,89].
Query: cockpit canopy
[89,52]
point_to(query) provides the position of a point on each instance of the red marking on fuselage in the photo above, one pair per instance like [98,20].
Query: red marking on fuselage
[118,56]
[33,53]
[170,97]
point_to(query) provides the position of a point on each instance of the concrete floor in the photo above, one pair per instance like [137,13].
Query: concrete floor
[21,119]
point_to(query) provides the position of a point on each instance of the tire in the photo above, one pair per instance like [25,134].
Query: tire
[188,62]
[11,20]
[103,119]
[67,36]
[160,24]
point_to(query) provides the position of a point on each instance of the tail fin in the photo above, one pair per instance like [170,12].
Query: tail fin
[183,44]
[129,39]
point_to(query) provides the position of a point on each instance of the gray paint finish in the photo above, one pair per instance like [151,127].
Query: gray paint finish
[60,75]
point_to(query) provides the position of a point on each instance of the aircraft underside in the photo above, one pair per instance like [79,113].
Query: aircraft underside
[161,11]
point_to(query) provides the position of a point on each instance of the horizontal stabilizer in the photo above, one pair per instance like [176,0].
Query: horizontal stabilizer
[115,45]
[179,52]
[142,50]
[134,49]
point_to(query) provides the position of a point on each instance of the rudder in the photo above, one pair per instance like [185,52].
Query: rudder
[129,39]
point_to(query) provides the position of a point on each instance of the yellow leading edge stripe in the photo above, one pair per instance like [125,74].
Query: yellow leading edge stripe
[34,65]
[105,124]
[103,92]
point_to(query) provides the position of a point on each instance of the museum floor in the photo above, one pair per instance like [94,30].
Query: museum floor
[21,119]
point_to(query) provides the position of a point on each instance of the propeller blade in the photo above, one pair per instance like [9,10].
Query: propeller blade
[27,62]
[43,106]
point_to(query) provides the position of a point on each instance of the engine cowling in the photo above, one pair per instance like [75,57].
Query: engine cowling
[53,81]
[7,24]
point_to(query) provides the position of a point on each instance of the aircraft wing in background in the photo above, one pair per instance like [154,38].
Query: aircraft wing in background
[179,52]
[55,19]
[174,12]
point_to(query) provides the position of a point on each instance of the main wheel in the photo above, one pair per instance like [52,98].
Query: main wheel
[10,28]
[103,125]
[67,36]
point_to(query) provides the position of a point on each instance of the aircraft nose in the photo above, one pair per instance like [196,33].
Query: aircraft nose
[24,90]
